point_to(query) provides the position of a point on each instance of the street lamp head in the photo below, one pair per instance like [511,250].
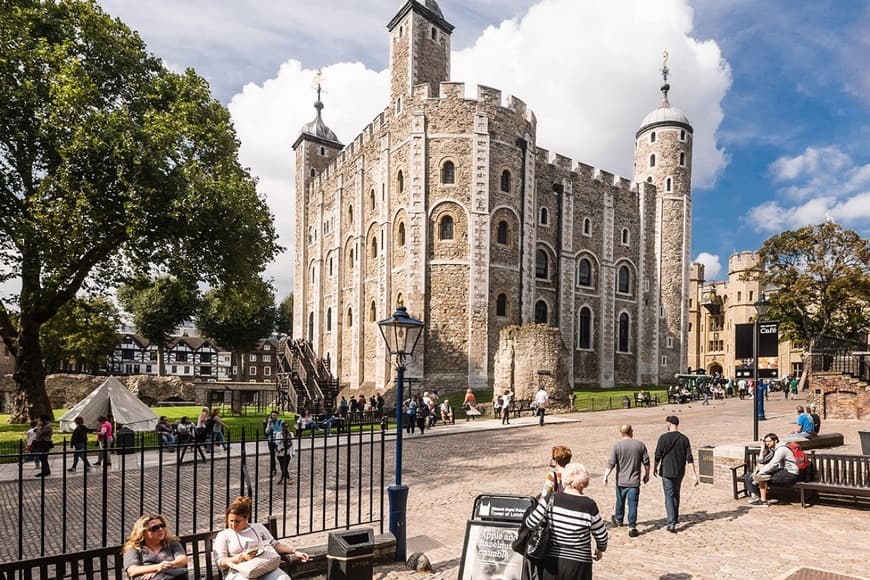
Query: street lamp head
[401,332]
[762,305]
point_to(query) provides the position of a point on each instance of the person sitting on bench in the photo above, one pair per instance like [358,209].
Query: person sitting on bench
[306,423]
[780,470]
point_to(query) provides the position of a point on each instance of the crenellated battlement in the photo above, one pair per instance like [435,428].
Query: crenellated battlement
[589,173]
[742,261]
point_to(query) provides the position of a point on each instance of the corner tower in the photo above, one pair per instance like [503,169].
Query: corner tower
[419,49]
[663,157]
[316,147]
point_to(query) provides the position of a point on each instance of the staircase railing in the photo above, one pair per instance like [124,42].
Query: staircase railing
[841,360]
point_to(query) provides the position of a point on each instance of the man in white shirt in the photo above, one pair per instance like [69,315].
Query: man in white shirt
[541,400]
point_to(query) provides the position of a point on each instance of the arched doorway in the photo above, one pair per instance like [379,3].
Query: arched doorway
[714,368]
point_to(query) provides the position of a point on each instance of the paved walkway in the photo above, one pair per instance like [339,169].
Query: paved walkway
[718,537]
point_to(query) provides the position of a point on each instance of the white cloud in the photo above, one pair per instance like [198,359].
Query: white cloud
[712,265]
[588,81]
[827,184]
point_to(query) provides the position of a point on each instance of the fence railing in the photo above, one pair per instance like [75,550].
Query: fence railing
[337,481]
[841,360]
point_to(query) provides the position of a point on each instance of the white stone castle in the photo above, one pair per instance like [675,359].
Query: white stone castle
[448,206]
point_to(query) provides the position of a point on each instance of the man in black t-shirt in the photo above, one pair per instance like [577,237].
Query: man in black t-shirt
[673,452]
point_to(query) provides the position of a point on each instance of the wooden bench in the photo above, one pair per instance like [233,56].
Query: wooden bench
[108,563]
[644,399]
[523,406]
[841,475]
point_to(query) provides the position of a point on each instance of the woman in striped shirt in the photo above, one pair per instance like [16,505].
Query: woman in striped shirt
[574,520]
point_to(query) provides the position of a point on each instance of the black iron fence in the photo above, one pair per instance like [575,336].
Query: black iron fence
[336,481]
[841,360]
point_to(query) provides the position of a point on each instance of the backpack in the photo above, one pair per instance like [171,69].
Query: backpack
[800,458]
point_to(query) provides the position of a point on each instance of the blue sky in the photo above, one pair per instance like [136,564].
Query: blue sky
[778,91]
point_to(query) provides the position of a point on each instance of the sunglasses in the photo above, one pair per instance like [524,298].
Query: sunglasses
[156,527]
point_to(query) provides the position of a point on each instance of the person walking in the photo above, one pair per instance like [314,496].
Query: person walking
[627,456]
[273,430]
[79,442]
[541,400]
[673,452]
[574,521]
[42,444]
[105,438]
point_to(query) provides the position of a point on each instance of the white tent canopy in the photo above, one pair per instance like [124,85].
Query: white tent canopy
[111,399]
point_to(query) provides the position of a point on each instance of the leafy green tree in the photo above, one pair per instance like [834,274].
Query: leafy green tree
[110,165]
[284,317]
[822,279]
[158,307]
[237,316]
[83,330]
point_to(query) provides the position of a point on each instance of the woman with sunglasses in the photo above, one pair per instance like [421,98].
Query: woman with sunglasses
[152,552]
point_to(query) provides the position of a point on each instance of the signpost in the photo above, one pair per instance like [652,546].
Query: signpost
[487,551]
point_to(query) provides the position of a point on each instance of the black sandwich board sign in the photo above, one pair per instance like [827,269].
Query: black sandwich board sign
[487,552]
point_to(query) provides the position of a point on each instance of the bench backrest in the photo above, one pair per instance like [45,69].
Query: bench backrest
[107,563]
[849,470]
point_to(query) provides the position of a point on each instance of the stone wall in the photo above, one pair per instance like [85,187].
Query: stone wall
[840,396]
[526,351]
[65,391]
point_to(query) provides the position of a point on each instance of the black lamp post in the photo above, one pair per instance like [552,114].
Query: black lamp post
[762,305]
[401,333]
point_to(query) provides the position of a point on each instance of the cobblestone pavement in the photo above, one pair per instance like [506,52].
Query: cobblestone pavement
[718,536]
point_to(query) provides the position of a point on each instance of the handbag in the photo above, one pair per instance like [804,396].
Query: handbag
[539,536]
[266,560]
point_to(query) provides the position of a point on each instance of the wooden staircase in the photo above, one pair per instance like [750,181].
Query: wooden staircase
[304,379]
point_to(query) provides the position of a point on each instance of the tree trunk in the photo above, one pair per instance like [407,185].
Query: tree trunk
[31,399]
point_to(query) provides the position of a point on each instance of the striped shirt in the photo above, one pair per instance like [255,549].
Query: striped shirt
[574,520]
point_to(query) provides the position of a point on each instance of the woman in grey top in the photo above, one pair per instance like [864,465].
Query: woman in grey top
[152,552]
[781,470]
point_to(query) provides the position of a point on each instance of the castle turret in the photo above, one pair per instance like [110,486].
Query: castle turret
[419,50]
[663,157]
[316,147]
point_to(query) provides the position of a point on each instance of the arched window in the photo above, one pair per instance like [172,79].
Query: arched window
[501,305]
[668,186]
[541,312]
[350,317]
[623,282]
[330,266]
[323,151]
[313,173]
[350,214]
[372,312]
[506,181]
[445,228]
[652,160]
[584,328]
[623,333]
[310,327]
[545,217]
[400,181]
[542,265]
[501,235]
[682,159]
[584,272]
[652,137]
[587,227]
[401,234]
[372,198]
[329,320]
[626,236]
[374,247]
[448,172]
[350,257]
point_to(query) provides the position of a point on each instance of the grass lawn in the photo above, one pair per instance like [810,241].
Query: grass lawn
[11,434]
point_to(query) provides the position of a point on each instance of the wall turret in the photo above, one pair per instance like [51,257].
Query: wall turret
[419,50]
[663,157]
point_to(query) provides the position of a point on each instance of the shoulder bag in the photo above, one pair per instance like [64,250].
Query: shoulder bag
[266,560]
[539,536]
